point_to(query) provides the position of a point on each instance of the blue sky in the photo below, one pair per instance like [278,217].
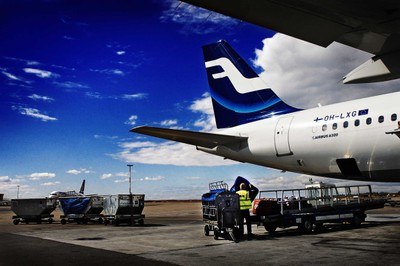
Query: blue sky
[75,76]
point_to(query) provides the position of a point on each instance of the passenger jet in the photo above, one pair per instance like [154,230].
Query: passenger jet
[354,140]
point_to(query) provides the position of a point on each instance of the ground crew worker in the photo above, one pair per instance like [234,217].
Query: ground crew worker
[245,205]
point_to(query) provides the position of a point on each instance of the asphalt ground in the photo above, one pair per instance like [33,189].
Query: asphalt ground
[173,234]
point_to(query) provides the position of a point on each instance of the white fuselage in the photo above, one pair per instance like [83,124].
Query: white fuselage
[311,141]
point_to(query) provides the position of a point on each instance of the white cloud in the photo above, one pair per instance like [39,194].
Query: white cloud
[132,120]
[71,85]
[120,52]
[40,176]
[122,174]
[42,98]
[94,95]
[304,74]
[135,96]
[170,122]
[106,176]
[196,20]
[156,178]
[80,171]
[35,113]
[11,76]
[121,180]
[204,106]
[167,153]
[108,71]
[40,73]
[48,184]
[5,179]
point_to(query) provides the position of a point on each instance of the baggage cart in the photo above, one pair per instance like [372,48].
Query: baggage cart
[222,216]
[33,210]
[124,208]
[317,204]
[81,209]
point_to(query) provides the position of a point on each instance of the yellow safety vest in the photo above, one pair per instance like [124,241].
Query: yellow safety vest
[245,201]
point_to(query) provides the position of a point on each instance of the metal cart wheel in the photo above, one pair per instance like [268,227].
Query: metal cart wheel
[307,226]
[50,220]
[270,228]
[206,230]
[357,220]
[15,221]
[216,234]
[141,222]
[100,220]
[63,221]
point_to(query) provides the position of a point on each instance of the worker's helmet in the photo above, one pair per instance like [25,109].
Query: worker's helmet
[242,186]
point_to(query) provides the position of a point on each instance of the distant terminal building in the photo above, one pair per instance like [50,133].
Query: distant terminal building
[1,197]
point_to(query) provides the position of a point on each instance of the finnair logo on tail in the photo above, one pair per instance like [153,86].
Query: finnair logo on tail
[241,83]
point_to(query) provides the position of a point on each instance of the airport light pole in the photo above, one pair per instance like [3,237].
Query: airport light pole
[130,178]
[17,191]
[130,191]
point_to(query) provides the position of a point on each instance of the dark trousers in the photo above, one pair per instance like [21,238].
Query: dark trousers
[245,214]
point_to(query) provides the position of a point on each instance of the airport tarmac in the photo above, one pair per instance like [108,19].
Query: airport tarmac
[173,234]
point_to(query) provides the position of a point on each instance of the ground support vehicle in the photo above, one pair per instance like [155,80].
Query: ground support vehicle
[124,208]
[221,212]
[81,209]
[313,206]
[33,210]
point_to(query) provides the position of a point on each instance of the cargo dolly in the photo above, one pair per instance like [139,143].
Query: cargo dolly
[81,209]
[221,212]
[124,209]
[310,208]
[33,210]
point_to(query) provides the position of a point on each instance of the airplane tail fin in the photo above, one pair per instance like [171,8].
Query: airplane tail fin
[82,190]
[239,95]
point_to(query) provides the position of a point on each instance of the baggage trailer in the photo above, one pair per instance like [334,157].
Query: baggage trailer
[81,209]
[221,211]
[33,210]
[313,206]
[124,208]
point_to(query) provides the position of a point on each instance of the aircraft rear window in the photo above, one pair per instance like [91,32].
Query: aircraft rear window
[369,120]
[394,117]
[357,123]
[345,124]
[324,127]
[334,126]
[381,119]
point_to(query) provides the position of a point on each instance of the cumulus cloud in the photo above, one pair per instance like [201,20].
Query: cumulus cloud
[304,74]
[41,73]
[35,113]
[203,106]
[40,176]
[121,180]
[106,176]
[131,120]
[5,179]
[120,52]
[79,171]
[37,97]
[196,20]
[170,122]
[167,153]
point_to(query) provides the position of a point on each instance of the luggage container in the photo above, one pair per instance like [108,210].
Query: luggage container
[208,200]
[124,208]
[225,216]
[81,209]
[33,210]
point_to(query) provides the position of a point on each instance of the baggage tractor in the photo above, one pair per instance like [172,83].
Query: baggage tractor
[33,210]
